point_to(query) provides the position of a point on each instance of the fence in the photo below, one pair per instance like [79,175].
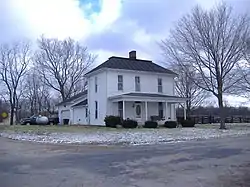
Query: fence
[216,119]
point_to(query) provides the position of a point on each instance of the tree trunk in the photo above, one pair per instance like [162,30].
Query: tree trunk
[17,117]
[222,113]
[188,109]
[12,112]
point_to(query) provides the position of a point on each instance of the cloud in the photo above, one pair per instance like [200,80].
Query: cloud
[114,26]
[12,25]
[110,11]
[55,18]
[155,16]
[139,26]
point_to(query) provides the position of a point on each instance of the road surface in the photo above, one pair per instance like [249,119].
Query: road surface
[219,162]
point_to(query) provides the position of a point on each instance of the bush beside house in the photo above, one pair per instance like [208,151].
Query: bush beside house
[170,124]
[112,121]
[187,123]
[150,124]
[129,123]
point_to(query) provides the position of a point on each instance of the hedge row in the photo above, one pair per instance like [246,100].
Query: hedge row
[187,123]
[113,121]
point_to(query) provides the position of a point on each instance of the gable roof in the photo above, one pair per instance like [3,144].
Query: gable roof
[132,64]
[73,97]
[82,103]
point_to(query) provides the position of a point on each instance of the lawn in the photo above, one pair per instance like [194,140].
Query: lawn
[53,128]
[103,135]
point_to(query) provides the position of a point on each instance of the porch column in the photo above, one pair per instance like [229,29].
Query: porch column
[166,112]
[123,109]
[185,111]
[146,109]
[170,112]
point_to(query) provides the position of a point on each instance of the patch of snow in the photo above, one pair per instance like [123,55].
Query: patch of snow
[130,137]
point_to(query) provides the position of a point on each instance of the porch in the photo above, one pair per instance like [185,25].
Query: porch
[146,106]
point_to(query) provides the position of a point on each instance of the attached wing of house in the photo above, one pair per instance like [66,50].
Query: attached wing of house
[126,87]
[71,110]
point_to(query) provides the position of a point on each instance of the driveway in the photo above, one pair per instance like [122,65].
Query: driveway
[217,162]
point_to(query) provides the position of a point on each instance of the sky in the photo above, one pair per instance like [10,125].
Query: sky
[106,27]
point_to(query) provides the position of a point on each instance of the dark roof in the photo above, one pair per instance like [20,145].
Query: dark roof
[132,64]
[150,95]
[73,97]
[82,103]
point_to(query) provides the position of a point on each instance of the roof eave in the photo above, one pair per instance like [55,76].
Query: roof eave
[72,101]
[161,96]
[78,106]
[89,74]
[146,72]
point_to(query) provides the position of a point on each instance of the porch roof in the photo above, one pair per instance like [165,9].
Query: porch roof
[139,96]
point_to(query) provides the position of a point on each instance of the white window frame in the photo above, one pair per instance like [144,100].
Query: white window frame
[137,84]
[96,85]
[96,110]
[120,83]
[86,112]
[160,87]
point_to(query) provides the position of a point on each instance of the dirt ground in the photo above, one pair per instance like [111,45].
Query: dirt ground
[219,163]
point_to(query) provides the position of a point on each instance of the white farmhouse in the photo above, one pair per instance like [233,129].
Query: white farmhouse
[127,87]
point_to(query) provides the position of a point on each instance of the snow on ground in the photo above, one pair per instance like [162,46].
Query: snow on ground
[130,137]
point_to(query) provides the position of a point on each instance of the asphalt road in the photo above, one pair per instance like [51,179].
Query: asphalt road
[220,162]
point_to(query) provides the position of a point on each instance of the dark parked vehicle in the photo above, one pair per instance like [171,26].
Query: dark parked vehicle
[33,121]
[53,120]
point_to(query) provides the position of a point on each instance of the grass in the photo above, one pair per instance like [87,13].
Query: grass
[52,128]
[74,129]
[228,126]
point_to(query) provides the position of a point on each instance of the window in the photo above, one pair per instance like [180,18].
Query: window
[95,84]
[160,109]
[159,85]
[120,109]
[137,84]
[86,112]
[96,110]
[120,82]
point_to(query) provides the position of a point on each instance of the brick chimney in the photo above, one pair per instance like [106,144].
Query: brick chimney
[132,54]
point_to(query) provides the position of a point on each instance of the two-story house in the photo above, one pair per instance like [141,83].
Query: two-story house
[127,87]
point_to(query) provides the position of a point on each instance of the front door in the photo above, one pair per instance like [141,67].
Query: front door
[138,111]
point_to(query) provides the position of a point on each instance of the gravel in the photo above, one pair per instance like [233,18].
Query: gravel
[127,137]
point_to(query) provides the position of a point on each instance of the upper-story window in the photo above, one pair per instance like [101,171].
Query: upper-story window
[159,85]
[137,84]
[120,82]
[95,84]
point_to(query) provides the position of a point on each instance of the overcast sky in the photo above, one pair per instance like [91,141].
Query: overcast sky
[106,27]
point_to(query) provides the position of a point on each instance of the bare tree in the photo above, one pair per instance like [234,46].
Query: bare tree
[62,64]
[245,69]
[212,42]
[37,93]
[14,61]
[185,87]
[19,96]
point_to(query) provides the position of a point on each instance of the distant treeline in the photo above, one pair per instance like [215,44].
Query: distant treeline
[206,115]
[214,111]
